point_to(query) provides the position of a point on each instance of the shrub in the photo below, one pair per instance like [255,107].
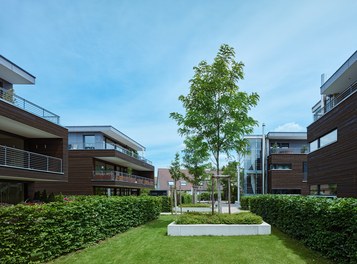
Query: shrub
[203,218]
[165,204]
[325,225]
[37,233]
[186,198]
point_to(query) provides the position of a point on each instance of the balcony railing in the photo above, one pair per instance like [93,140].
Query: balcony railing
[20,159]
[121,177]
[302,150]
[320,111]
[106,146]
[10,97]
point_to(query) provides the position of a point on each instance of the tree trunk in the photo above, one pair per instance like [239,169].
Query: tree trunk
[219,196]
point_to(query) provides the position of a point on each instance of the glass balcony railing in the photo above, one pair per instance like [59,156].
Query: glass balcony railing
[10,97]
[20,159]
[106,146]
[121,177]
[320,111]
[302,150]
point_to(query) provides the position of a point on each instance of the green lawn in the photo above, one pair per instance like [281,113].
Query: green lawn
[150,244]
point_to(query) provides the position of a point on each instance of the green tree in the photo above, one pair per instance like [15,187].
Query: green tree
[195,157]
[216,110]
[176,175]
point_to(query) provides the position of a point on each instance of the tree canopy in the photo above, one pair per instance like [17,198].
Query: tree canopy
[216,110]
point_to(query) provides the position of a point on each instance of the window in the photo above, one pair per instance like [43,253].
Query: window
[304,170]
[286,191]
[280,166]
[323,141]
[279,145]
[314,190]
[314,145]
[89,141]
[324,189]
[328,138]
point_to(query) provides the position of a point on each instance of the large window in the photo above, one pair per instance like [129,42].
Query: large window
[328,138]
[323,141]
[89,141]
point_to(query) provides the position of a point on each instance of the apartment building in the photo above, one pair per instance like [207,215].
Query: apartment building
[104,161]
[33,145]
[276,163]
[287,163]
[332,161]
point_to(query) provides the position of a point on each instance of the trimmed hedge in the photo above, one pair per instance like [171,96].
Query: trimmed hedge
[165,204]
[38,233]
[325,225]
[229,219]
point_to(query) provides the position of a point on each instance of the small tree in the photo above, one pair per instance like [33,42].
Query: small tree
[216,111]
[231,170]
[176,175]
[194,158]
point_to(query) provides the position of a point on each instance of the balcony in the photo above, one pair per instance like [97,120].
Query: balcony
[319,111]
[10,97]
[302,150]
[20,159]
[106,146]
[117,176]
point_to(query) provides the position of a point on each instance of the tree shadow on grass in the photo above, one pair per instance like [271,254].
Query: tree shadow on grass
[161,222]
[300,249]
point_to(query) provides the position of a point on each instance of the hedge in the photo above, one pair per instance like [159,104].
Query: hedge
[165,204]
[325,225]
[38,233]
[228,219]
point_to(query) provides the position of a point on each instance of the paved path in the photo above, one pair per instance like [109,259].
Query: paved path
[225,209]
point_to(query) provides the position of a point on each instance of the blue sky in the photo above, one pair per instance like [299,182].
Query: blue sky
[124,63]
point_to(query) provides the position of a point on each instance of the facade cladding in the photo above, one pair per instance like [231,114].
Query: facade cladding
[104,161]
[332,162]
[285,167]
[33,146]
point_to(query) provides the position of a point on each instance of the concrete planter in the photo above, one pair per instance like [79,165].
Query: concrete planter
[218,230]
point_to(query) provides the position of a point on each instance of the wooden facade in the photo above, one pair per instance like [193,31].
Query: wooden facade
[287,181]
[82,166]
[36,135]
[336,163]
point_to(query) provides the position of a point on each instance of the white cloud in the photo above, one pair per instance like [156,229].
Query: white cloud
[290,127]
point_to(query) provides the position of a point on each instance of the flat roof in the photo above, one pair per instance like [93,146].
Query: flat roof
[287,135]
[14,74]
[343,78]
[110,132]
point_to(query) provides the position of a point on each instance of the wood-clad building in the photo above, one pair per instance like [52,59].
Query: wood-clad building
[278,161]
[332,162]
[33,146]
[103,160]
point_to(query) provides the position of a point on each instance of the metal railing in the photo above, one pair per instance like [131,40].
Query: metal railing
[106,146]
[21,159]
[10,97]
[121,177]
[302,150]
[320,111]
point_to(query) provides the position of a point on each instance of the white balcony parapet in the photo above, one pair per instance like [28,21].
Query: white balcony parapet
[10,97]
[302,150]
[106,146]
[20,159]
[121,177]
[319,111]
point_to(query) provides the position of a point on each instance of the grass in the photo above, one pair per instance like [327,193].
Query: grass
[207,218]
[150,244]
